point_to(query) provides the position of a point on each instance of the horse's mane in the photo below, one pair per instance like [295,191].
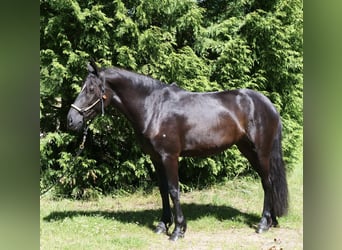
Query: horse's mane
[138,79]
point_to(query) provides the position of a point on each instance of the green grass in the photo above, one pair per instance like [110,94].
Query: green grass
[220,217]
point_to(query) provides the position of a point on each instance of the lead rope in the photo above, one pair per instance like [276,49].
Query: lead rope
[102,106]
[103,96]
[81,147]
[66,174]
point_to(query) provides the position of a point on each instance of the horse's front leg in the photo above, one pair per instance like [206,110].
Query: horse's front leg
[170,163]
[167,217]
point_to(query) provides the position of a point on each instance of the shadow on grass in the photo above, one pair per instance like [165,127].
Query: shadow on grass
[147,217]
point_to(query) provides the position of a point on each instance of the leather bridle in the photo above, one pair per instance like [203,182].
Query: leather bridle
[86,109]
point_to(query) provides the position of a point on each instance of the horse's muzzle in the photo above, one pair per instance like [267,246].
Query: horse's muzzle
[74,121]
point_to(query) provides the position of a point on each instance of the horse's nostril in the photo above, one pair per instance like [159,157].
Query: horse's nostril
[70,121]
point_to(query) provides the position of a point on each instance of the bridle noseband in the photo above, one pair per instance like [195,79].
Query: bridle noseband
[87,108]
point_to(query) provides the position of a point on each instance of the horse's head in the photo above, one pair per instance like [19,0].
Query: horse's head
[90,101]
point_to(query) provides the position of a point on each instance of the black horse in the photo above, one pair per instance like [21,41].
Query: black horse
[171,122]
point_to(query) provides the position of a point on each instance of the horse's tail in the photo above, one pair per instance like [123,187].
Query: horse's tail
[279,191]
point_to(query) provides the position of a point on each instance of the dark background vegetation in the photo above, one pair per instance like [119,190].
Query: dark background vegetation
[202,45]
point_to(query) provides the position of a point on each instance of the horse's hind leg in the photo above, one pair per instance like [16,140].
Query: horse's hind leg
[261,165]
[273,176]
[268,218]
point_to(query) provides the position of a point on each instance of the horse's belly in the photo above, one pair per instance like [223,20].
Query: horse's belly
[203,152]
[206,143]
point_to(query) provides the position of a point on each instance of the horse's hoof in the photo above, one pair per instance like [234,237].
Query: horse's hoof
[264,225]
[160,228]
[275,223]
[176,236]
[262,229]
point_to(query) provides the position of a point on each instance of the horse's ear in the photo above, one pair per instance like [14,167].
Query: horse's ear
[92,67]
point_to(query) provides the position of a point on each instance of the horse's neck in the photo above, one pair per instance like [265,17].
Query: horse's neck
[129,97]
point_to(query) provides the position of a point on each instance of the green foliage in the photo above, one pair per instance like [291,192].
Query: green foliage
[202,45]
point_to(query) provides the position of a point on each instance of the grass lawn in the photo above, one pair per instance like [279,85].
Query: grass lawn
[221,217]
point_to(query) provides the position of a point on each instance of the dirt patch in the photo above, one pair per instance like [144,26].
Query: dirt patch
[275,239]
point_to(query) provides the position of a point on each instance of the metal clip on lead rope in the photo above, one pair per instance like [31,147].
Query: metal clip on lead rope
[81,147]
